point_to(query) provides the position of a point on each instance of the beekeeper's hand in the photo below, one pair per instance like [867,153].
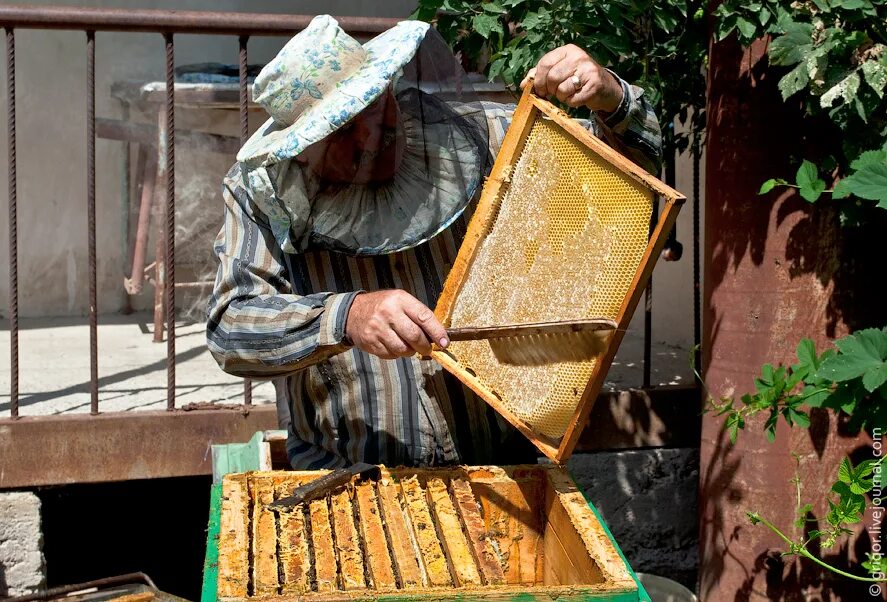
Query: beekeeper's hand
[393,323]
[576,79]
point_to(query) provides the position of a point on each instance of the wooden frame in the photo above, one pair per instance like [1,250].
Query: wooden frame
[528,110]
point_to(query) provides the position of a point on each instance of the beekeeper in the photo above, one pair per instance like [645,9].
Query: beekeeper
[344,213]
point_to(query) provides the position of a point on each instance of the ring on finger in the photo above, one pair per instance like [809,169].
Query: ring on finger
[577,83]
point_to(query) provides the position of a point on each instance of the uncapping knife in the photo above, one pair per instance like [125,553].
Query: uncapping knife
[325,484]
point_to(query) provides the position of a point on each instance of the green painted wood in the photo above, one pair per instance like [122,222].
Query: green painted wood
[237,457]
[211,563]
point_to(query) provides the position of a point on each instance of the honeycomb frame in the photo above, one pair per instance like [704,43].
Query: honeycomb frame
[551,404]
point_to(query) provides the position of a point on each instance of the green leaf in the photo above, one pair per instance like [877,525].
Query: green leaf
[767,186]
[483,24]
[793,46]
[849,4]
[811,186]
[532,21]
[872,157]
[875,74]
[747,28]
[845,473]
[495,7]
[875,377]
[869,182]
[794,81]
[846,89]
[861,352]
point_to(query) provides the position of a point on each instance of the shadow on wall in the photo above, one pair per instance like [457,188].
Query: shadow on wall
[778,269]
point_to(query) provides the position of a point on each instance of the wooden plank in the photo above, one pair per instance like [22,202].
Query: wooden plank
[325,573]
[458,552]
[405,555]
[559,568]
[234,538]
[347,541]
[513,525]
[425,535]
[293,556]
[487,561]
[263,537]
[372,532]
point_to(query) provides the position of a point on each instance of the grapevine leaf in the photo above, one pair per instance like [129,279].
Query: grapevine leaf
[841,190]
[875,377]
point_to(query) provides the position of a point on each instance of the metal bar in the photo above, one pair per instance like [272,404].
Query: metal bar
[57,592]
[244,133]
[79,448]
[13,222]
[648,307]
[90,211]
[175,21]
[170,224]
[697,291]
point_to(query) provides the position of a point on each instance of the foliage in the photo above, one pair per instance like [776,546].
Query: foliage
[850,379]
[834,55]
[848,509]
[660,46]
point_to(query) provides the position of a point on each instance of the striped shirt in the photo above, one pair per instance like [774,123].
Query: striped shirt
[274,315]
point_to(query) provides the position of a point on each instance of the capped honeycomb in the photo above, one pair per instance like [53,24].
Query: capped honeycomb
[565,241]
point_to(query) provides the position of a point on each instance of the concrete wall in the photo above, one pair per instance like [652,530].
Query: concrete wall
[22,569]
[648,500]
[51,94]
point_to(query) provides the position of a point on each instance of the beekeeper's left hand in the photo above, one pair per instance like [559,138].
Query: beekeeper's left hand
[576,79]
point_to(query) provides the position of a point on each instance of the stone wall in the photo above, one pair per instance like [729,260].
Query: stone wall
[22,569]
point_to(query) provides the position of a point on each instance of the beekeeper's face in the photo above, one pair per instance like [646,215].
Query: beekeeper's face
[367,148]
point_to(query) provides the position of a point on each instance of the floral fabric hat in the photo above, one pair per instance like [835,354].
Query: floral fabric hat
[319,81]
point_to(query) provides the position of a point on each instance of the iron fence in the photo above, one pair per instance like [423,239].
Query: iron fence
[168,24]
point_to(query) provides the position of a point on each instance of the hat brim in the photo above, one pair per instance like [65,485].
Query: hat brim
[387,54]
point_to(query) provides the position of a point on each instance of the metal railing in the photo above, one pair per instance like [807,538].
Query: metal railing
[166,23]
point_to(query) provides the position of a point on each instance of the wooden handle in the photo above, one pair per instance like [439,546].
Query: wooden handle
[476,333]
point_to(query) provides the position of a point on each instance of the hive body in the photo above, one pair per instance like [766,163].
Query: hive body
[482,532]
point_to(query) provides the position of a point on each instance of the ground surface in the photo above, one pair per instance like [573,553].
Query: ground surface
[54,366]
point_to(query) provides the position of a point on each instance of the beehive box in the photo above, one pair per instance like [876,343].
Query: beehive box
[562,231]
[460,532]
